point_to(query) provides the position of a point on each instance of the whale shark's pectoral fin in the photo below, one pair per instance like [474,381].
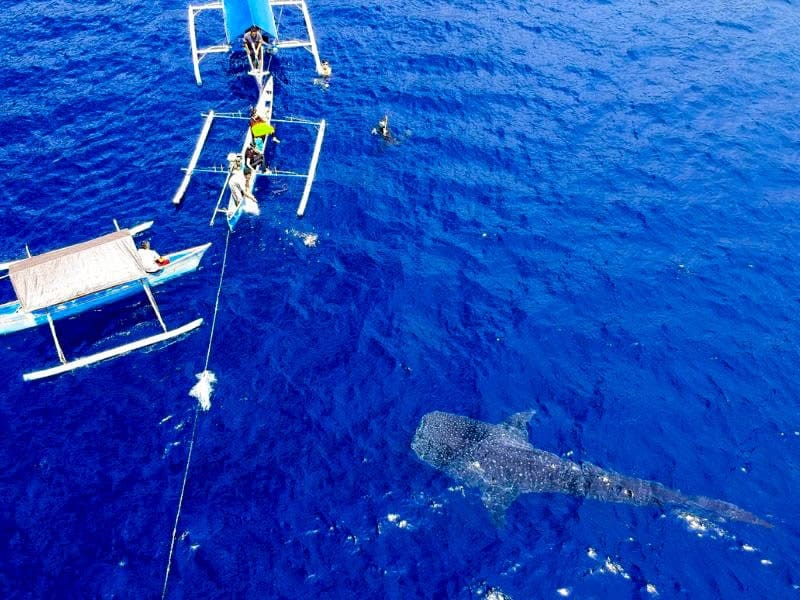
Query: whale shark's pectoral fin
[517,424]
[497,500]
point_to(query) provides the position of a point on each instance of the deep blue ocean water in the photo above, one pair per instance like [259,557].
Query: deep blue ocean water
[592,212]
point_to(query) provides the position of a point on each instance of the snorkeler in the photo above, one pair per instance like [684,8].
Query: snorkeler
[382,129]
[325,68]
[325,71]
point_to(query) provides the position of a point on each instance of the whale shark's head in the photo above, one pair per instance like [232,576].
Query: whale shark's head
[442,437]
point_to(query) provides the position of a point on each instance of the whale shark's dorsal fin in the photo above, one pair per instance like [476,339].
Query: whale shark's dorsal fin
[517,424]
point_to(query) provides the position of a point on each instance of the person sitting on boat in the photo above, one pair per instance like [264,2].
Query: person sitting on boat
[261,132]
[152,261]
[254,116]
[238,183]
[259,144]
[261,129]
[253,161]
[253,45]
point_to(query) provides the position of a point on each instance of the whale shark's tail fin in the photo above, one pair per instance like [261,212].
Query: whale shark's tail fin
[726,510]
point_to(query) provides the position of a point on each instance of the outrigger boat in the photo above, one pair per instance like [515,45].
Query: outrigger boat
[81,277]
[238,16]
[234,209]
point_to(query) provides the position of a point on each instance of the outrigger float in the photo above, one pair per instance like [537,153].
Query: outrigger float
[81,277]
[234,209]
[238,15]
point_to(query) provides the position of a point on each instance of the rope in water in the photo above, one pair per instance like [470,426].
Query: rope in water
[216,302]
[180,504]
[194,425]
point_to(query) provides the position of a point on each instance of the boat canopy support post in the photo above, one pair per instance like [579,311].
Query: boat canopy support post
[60,352]
[52,325]
[311,43]
[199,54]
[178,197]
[152,300]
[312,169]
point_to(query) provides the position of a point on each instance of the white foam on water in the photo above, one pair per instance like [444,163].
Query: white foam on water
[512,569]
[203,388]
[609,566]
[251,207]
[615,568]
[165,419]
[702,527]
[397,521]
[457,488]
[563,592]
[309,239]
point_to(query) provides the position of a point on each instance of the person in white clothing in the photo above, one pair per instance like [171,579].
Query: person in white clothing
[152,261]
[238,182]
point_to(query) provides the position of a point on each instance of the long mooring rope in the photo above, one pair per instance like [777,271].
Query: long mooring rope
[180,504]
[194,425]
[216,302]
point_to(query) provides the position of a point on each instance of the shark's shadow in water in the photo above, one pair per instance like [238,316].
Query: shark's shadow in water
[502,464]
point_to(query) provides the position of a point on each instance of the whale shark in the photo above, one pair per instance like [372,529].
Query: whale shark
[499,461]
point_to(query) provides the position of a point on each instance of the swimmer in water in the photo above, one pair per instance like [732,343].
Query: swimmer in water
[325,71]
[325,68]
[382,129]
